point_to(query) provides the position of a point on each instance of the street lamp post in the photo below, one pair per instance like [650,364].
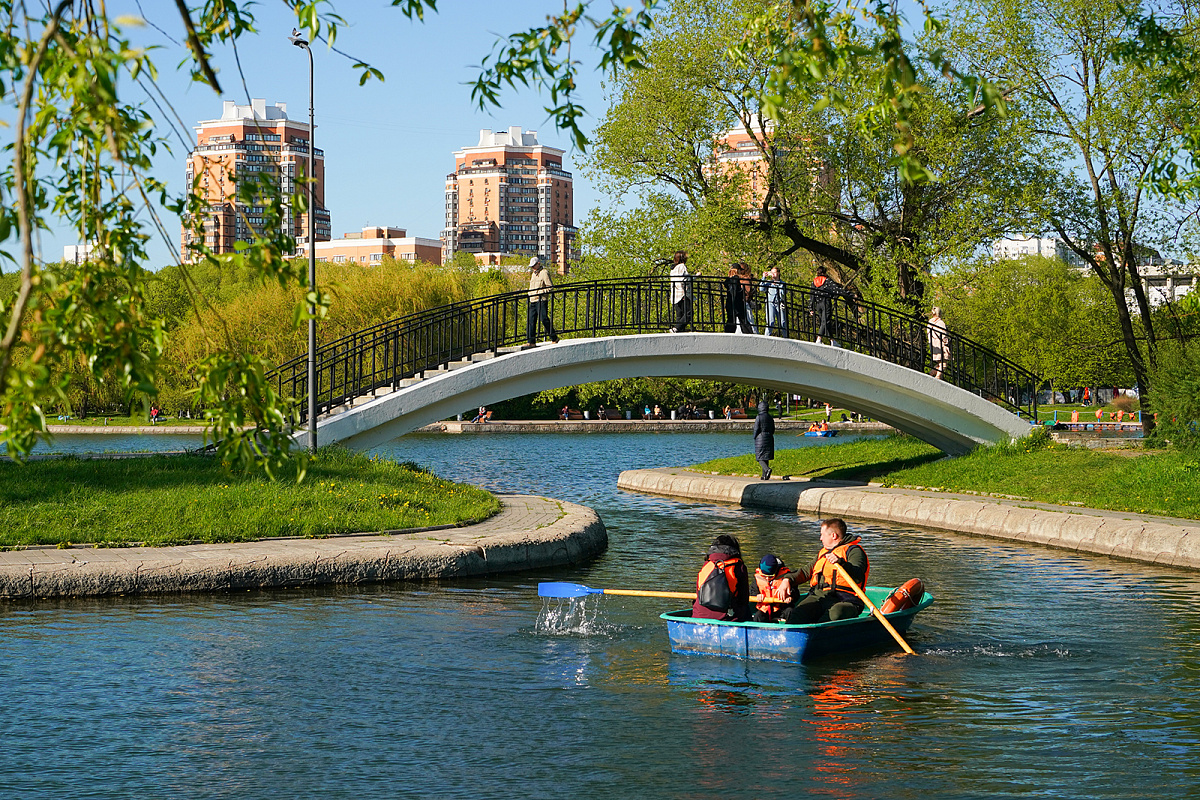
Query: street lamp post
[312,249]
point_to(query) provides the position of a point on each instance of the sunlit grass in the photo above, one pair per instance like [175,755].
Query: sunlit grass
[176,499]
[1152,482]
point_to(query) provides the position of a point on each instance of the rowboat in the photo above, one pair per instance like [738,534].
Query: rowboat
[821,433]
[790,644]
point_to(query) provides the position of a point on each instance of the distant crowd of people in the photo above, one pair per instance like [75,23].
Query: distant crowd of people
[744,296]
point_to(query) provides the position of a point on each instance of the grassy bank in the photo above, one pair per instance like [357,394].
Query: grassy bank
[1154,482]
[179,499]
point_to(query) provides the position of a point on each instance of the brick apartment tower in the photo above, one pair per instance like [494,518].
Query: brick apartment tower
[252,139]
[509,195]
[736,154]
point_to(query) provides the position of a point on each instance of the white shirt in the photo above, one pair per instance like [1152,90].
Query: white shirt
[681,286]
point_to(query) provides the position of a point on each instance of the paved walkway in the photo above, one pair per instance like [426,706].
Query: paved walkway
[642,426]
[530,532]
[1141,537]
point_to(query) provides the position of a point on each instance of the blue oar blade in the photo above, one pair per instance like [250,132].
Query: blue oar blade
[565,590]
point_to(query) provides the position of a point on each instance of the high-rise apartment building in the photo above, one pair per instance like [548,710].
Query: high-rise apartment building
[509,195]
[246,140]
[737,153]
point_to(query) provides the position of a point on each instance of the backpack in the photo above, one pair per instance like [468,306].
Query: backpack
[715,594]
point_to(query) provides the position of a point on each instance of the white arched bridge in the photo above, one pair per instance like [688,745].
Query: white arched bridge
[390,379]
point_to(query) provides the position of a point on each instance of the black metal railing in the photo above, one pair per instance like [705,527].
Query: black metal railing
[387,353]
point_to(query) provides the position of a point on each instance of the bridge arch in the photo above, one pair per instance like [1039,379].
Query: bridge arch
[946,416]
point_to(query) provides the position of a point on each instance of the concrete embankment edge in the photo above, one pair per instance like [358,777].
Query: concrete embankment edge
[1136,537]
[529,533]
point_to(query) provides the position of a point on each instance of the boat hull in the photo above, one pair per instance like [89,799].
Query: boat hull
[790,644]
[820,433]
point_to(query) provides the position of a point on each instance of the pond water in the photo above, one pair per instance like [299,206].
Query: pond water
[1042,673]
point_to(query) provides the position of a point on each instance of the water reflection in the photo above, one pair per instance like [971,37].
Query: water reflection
[1043,672]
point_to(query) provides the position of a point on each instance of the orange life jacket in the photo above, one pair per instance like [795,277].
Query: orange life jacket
[825,576]
[775,587]
[714,597]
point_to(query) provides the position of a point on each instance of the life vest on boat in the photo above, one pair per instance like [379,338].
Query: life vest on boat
[907,596]
[779,587]
[825,575]
[716,585]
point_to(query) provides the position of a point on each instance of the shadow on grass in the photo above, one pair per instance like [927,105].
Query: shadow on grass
[866,471]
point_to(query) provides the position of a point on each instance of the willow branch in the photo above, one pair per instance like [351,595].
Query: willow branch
[24,221]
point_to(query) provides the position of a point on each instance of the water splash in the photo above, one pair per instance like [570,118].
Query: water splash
[578,616]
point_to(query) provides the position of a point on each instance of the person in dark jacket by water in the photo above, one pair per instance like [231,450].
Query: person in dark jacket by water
[723,585]
[764,439]
[829,598]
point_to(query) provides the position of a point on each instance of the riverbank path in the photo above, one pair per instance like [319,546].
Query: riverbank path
[1140,537]
[529,532]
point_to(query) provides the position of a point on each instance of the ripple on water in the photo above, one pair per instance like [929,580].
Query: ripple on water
[1043,673]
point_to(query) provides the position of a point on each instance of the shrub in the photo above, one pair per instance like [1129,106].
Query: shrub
[1124,403]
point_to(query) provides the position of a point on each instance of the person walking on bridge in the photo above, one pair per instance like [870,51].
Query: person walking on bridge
[681,293]
[824,292]
[939,342]
[736,316]
[773,289]
[539,303]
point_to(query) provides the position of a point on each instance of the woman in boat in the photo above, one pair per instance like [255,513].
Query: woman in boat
[778,589]
[829,598]
[723,585]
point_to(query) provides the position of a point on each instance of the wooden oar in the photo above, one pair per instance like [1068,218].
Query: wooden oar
[579,590]
[878,614]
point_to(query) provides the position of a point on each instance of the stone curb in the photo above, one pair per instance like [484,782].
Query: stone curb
[530,532]
[1150,539]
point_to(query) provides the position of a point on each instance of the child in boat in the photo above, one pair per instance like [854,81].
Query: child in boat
[778,589]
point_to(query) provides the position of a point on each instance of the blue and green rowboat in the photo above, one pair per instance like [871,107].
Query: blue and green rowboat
[790,644]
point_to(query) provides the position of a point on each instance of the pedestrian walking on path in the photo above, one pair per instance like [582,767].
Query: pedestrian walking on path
[764,439]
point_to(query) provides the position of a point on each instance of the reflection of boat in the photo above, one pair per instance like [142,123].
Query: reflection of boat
[821,433]
[793,644]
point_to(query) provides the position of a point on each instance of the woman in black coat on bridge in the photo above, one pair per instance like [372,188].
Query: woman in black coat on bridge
[764,439]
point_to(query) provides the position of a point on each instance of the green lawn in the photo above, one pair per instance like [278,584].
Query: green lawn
[120,421]
[1153,482]
[178,499]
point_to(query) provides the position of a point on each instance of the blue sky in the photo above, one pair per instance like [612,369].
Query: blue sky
[388,146]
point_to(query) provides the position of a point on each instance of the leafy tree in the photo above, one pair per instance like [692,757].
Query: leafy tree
[832,188]
[1053,58]
[1039,313]
[81,152]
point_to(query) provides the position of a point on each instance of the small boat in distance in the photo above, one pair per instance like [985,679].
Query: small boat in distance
[790,644]
[821,433]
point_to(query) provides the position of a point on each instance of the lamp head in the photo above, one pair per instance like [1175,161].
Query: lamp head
[297,39]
